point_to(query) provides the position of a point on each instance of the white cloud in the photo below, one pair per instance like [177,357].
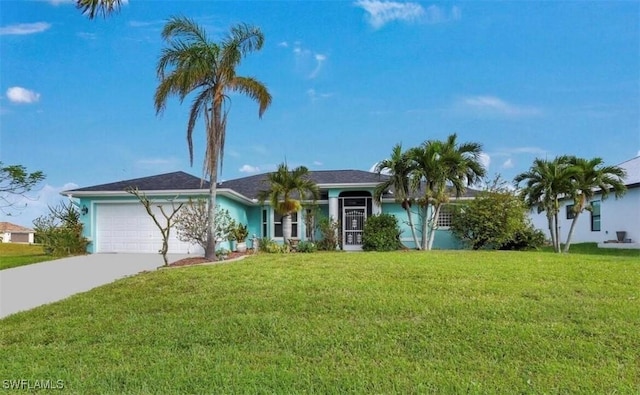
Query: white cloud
[249,169]
[317,163]
[508,164]
[485,159]
[86,36]
[313,95]
[27,208]
[380,13]
[435,14]
[528,150]
[320,58]
[283,44]
[24,28]
[307,60]
[494,106]
[17,94]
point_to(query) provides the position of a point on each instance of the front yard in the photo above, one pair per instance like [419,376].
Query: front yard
[401,322]
[14,255]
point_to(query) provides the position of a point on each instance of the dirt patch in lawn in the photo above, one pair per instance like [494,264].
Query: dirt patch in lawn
[202,260]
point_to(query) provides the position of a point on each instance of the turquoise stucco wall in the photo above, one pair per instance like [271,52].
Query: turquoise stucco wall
[443,240]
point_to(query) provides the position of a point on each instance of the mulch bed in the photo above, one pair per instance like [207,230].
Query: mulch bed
[201,259]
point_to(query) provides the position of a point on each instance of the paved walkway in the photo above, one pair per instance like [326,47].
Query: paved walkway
[26,287]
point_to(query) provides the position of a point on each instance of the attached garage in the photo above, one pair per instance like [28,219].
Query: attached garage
[126,227]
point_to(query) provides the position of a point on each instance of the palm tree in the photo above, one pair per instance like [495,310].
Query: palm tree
[91,8]
[399,168]
[591,177]
[439,167]
[286,189]
[191,63]
[546,182]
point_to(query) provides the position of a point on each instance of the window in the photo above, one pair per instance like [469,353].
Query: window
[570,213]
[277,225]
[264,223]
[446,213]
[595,216]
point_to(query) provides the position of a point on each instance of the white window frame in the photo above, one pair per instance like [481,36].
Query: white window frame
[274,221]
[444,221]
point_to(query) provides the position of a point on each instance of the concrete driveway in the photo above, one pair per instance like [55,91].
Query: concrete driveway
[26,287]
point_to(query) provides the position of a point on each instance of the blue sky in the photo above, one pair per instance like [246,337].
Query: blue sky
[349,80]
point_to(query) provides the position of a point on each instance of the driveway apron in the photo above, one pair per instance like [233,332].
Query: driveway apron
[26,287]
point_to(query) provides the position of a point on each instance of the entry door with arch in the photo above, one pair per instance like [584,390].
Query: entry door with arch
[352,226]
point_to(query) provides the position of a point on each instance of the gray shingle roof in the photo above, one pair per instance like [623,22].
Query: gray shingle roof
[246,186]
[250,186]
[175,181]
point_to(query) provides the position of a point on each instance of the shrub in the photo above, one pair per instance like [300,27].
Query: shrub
[528,238]
[492,220]
[329,230]
[265,244]
[192,223]
[306,246]
[60,232]
[381,233]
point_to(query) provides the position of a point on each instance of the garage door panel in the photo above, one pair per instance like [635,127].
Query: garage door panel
[128,228]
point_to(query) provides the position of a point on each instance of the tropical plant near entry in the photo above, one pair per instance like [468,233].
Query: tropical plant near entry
[399,168]
[589,177]
[442,167]
[191,63]
[286,190]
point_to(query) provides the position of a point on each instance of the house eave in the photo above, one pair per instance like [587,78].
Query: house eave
[230,193]
[171,192]
[349,185]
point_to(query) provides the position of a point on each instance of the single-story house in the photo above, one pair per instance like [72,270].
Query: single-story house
[115,221]
[609,220]
[12,233]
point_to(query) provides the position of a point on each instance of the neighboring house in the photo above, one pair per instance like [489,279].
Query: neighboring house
[607,217]
[114,220]
[12,233]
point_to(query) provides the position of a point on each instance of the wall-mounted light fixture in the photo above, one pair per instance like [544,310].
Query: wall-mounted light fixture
[84,210]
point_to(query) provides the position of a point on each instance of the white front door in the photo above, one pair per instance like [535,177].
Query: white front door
[353,219]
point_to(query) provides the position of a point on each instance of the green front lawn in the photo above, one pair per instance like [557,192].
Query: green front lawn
[14,255]
[403,322]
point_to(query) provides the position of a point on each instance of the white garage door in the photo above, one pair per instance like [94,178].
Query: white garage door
[128,228]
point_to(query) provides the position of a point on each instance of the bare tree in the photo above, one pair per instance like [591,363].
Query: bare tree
[165,230]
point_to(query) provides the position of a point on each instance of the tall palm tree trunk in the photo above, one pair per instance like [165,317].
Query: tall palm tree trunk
[286,227]
[567,244]
[557,231]
[551,230]
[425,226]
[432,226]
[210,251]
[413,229]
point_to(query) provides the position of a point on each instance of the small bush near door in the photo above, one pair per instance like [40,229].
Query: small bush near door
[381,233]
